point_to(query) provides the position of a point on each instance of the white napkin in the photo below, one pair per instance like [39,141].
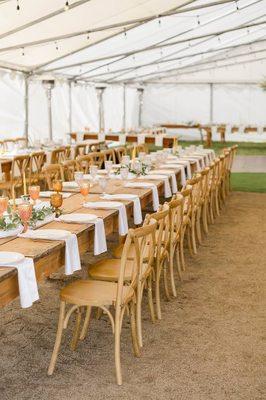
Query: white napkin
[72,258]
[101,137]
[155,196]
[141,138]
[136,204]
[100,245]
[183,162]
[190,158]
[178,167]
[167,188]
[28,289]
[159,140]
[166,173]
[122,216]
[70,184]
[48,194]
[122,139]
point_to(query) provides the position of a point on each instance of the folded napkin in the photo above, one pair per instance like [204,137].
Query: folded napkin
[141,138]
[122,215]
[70,184]
[178,167]
[136,204]
[100,245]
[190,158]
[166,173]
[28,289]
[72,258]
[147,185]
[167,188]
[48,194]
[159,140]
[183,162]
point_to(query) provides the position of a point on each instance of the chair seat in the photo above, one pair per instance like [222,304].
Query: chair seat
[108,270]
[93,293]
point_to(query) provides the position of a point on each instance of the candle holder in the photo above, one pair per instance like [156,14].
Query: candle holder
[24,212]
[34,192]
[56,201]
[57,186]
[84,188]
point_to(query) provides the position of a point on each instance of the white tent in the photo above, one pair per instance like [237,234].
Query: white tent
[196,60]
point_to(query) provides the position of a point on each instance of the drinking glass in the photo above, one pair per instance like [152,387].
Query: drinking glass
[93,171]
[56,200]
[108,166]
[84,188]
[3,205]
[25,211]
[124,173]
[57,185]
[78,176]
[103,184]
[34,192]
[125,160]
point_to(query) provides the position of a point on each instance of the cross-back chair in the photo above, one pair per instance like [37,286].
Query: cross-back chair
[118,292]
[69,168]
[51,173]
[37,160]
[58,155]
[120,152]
[109,155]
[19,175]
[80,150]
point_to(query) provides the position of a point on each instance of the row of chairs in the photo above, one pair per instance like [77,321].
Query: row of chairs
[10,144]
[151,253]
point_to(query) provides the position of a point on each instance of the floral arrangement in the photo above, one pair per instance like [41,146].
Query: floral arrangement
[142,170]
[39,215]
[10,221]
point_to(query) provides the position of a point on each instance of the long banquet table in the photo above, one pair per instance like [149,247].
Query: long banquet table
[48,256]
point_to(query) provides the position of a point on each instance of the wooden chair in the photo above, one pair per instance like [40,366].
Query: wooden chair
[108,270]
[120,152]
[37,160]
[80,150]
[118,292]
[19,176]
[195,182]
[186,223]
[58,155]
[69,168]
[109,155]
[51,173]
[84,162]
[68,152]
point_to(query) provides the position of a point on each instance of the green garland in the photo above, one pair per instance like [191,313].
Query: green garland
[12,220]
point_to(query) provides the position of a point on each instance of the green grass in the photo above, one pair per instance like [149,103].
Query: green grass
[249,149]
[249,182]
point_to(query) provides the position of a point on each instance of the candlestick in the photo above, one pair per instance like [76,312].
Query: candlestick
[24,183]
[13,197]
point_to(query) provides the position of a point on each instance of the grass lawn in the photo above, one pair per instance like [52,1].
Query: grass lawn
[249,182]
[249,149]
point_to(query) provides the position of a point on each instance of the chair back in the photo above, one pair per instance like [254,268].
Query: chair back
[80,150]
[69,168]
[22,142]
[58,155]
[175,216]
[120,152]
[187,194]
[162,232]
[109,155]
[37,160]
[51,173]
[20,170]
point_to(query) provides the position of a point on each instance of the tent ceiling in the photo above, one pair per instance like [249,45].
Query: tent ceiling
[113,41]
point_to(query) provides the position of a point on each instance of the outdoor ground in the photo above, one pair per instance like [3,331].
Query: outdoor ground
[210,344]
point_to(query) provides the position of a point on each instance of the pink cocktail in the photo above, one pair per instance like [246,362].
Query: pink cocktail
[25,211]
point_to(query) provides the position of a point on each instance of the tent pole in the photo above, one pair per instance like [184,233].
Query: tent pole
[26,108]
[50,117]
[124,108]
[100,91]
[70,105]
[211,103]
[140,92]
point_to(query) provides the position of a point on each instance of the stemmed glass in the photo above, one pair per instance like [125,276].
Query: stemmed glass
[124,173]
[93,171]
[125,160]
[84,187]
[108,166]
[3,205]
[56,200]
[103,184]
[24,212]
[78,176]
[34,192]
[58,185]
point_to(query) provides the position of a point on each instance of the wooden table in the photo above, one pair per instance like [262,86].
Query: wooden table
[48,256]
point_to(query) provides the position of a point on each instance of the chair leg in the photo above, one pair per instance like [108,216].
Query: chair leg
[181,247]
[198,227]
[193,235]
[75,338]
[150,299]
[58,337]
[204,218]
[117,352]
[138,314]
[171,267]
[166,264]
[157,292]
[84,329]
[133,325]
[217,210]
[189,234]
[178,264]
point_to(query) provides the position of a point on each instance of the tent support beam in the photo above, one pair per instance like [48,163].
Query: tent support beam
[117,25]
[100,91]
[26,108]
[140,92]
[70,105]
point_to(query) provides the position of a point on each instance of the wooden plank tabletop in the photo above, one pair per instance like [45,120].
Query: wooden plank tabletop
[48,256]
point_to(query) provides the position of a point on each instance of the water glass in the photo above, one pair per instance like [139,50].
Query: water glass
[93,171]
[124,173]
[78,176]
[108,166]
[103,184]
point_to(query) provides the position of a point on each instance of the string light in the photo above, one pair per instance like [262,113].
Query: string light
[66,6]
[56,46]
[125,33]
[237,7]
[18,6]
[23,52]
[198,19]
[159,22]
